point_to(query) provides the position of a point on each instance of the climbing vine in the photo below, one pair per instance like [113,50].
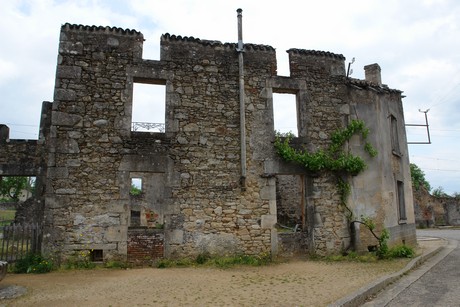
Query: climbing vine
[382,250]
[336,160]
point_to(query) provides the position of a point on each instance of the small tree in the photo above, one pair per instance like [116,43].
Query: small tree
[418,177]
[135,190]
[11,187]
[439,192]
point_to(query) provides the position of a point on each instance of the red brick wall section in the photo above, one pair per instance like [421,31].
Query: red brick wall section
[145,245]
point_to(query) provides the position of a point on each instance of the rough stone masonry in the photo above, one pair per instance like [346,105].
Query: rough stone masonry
[193,199]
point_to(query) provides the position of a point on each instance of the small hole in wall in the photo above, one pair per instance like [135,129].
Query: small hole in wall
[97,255]
[404,242]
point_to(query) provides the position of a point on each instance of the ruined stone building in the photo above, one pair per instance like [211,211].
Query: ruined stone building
[431,211]
[208,186]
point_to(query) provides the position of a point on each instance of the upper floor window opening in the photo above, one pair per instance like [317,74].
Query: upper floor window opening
[285,113]
[149,101]
[394,135]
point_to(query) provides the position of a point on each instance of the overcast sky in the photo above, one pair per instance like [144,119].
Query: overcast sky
[415,42]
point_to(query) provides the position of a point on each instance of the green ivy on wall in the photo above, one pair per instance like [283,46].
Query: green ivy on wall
[334,158]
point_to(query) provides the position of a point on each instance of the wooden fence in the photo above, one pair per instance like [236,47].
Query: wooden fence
[17,240]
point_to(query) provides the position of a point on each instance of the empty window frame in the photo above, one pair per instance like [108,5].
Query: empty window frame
[17,188]
[394,135]
[136,186]
[401,200]
[285,113]
[149,102]
[135,219]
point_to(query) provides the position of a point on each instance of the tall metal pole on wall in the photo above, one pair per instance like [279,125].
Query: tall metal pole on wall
[240,50]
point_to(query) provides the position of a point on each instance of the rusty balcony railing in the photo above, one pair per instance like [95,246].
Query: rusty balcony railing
[142,126]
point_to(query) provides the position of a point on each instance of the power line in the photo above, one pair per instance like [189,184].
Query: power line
[445,97]
[442,170]
[434,158]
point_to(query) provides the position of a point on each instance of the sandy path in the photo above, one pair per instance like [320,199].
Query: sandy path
[298,283]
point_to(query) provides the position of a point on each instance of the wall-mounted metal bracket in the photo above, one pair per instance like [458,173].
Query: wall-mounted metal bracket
[421,125]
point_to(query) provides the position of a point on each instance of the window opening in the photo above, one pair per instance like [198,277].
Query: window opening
[96,255]
[285,113]
[136,186]
[135,218]
[394,135]
[16,188]
[401,201]
[282,63]
[148,114]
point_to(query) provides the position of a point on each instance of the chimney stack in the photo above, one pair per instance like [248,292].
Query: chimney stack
[372,73]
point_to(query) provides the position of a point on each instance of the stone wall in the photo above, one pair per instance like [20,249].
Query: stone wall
[85,204]
[145,245]
[20,158]
[292,244]
[218,214]
[193,182]
[289,204]
[27,158]
[433,211]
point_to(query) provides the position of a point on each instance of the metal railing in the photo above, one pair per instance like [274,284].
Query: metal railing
[140,126]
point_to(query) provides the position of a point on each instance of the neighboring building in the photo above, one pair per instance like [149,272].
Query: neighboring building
[201,193]
[431,211]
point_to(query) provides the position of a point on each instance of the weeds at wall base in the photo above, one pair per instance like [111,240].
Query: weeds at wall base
[395,252]
[219,262]
[33,263]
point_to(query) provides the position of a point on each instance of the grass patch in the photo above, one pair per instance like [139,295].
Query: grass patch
[79,260]
[7,216]
[398,251]
[220,262]
[173,263]
[353,257]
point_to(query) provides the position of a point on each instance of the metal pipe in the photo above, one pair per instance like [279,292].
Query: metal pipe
[427,126]
[240,50]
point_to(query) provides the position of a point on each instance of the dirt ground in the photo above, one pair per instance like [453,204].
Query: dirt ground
[297,283]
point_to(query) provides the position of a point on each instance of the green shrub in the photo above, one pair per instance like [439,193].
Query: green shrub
[202,258]
[80,260]
[401,251]
[33,263]
[135,191]
[170,263]
[352,257]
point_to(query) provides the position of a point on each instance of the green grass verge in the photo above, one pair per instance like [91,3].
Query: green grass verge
[219,262]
